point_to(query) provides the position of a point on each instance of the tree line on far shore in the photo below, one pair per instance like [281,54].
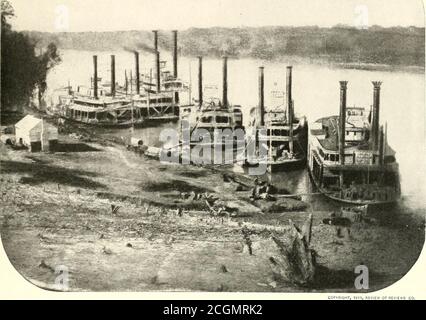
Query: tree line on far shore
[396,46]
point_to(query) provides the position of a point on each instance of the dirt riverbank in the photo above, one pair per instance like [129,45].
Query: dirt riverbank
[56,210]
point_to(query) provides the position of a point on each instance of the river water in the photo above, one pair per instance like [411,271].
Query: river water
[315,93]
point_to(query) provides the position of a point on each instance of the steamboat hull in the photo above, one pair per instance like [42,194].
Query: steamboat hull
[229,154]
[161,119]
[335,196]
[362,180]
[299,160]
[124,124]
[278,166]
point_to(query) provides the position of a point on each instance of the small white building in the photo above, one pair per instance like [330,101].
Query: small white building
[36,134]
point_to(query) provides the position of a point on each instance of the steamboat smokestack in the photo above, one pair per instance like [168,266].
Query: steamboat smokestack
[113,75]
[157,59]
[289,78]
[157,68]
[375,126]
[137,72]
[225,82]
[175,61]
[95,77]
[200,80]
[261,97]
[175,54]
[381,146]
[290,111]
[126,81]
[342,129]
[342,121]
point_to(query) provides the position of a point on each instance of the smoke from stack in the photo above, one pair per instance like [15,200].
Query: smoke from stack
[155,40]
[261,97]
[113,75]
[140,47]
[200,80]
[95,77]
[342,121]
[225,82]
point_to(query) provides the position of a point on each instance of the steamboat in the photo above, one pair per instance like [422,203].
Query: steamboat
[284,135]
[134,103]
[215,125]
[349,157]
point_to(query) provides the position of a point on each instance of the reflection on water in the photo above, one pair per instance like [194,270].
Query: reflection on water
[315,93]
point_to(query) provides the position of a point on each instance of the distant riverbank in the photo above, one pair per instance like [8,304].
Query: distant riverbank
[395,46]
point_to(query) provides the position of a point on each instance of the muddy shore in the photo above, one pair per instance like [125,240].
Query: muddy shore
[56,209]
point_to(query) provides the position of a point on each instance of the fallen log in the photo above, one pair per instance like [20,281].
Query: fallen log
[280,205]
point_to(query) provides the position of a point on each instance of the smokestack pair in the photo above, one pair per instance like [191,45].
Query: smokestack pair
[157,60]
[225,81]
[95,76]
[377,135]
[113,91]
[157,64]
[290,115]
[175,50]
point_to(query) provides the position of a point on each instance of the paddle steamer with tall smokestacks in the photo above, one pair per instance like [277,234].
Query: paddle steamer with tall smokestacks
[160,99]
[214,117]
[349,157]
[97,105]
[284,137]
[134,103]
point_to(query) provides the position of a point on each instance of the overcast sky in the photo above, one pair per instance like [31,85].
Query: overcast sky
[111,15]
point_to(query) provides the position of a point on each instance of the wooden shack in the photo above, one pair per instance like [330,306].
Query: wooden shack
[36,134]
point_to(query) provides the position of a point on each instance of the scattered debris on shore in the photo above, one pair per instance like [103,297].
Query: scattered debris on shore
[104,215]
